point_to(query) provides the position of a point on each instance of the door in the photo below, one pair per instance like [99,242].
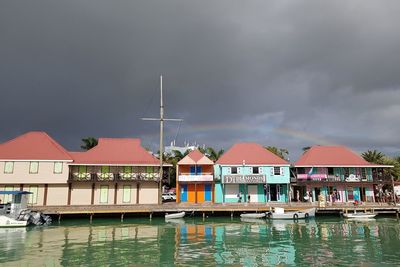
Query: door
[207,192]
[191,193]
[184,193]
[252,190]
[273,192]
[104,194]
[200,193]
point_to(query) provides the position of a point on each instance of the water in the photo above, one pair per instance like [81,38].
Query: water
[215,242]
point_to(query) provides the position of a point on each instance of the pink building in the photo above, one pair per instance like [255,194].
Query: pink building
[337,173]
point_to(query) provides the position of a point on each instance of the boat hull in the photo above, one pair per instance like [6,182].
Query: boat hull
[175,215]
[292,215]
[6,221]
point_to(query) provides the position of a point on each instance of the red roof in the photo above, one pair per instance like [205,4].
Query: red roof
[195,155]
[116,151]
[250,153]
[331,156]
[33,146]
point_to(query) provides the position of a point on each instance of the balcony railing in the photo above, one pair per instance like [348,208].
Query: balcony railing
[109,177]
[195,178]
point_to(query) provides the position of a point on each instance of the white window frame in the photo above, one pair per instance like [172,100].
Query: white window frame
[101,201]
[126,194]
[8,163]
[228,170]
[30,167]
[260,170]
[55,170]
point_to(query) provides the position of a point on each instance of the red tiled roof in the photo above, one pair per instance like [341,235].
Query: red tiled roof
[33,146]
[195,157]
[331,156]
[116,151]
[250,153]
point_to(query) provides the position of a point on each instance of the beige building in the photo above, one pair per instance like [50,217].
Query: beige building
[35,162]
[116,171]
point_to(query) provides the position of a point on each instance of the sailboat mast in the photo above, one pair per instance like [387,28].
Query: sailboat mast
[161,140]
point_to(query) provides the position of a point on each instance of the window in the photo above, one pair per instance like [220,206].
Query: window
[104,194]
[34,196]
[234,170]
[330,171]
[8,167]
[192,170]
[34,167]
[199,170]
[149,169]
[8,198]
[277,170]
[256,170]
[346,172]
[58,167]
[126,194]
[364,172]
[301,170]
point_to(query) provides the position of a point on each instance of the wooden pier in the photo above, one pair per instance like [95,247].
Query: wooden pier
[227,209]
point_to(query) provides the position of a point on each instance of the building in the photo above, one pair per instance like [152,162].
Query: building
[250,171]
[195,178]
[37,163]
[116,171]
[337,173]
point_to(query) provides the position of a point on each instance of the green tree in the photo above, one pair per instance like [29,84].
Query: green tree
[280,152]
[89,142]
[306,148]
[213,154]
[373,156]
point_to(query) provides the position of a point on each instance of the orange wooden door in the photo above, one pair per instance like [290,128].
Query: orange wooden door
[191,193]
[200,193]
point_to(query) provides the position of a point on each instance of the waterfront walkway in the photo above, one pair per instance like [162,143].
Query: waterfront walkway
[206,209]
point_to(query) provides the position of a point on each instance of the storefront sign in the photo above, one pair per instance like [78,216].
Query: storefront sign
[244,179]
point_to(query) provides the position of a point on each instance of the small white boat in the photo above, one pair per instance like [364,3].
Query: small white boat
[280,214]
[363,215]
[175,215]
[6,221]
[252,215]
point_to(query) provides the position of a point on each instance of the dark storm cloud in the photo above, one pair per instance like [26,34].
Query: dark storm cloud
[325,72]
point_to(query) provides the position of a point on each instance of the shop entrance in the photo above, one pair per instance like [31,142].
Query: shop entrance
[273,192]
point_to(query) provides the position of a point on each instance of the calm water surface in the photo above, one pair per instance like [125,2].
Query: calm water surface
[214,242]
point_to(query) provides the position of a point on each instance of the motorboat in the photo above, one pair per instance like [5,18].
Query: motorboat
[362,215]
[16,214]
[252,215]
[175,215]
[280,214]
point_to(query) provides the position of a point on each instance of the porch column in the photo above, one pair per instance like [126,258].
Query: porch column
[212,192]
[92,197]
[21,187]
[115,193]
[137,192]
[46,187]
[69,194]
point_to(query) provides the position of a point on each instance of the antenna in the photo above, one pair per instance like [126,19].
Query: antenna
[161,120]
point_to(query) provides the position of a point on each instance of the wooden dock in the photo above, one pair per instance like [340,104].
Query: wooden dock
[208,209]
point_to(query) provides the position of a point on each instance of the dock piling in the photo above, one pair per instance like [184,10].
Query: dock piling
[397,214]
[91,218]
[151,215]
[59,218]
[122,217]
[204,216]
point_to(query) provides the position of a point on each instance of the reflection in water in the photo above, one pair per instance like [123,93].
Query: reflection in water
[214,242]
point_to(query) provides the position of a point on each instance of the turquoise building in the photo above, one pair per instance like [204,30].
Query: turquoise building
[248,172]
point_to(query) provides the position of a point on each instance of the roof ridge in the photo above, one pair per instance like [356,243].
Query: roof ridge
[57,145]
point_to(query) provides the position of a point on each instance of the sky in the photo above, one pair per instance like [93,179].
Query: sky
[280,73]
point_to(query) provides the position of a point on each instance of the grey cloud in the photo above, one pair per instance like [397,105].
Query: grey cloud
[79,68]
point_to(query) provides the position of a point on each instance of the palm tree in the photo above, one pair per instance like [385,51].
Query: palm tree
[89,142]
[280,152]
[213,154]
[373,156]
